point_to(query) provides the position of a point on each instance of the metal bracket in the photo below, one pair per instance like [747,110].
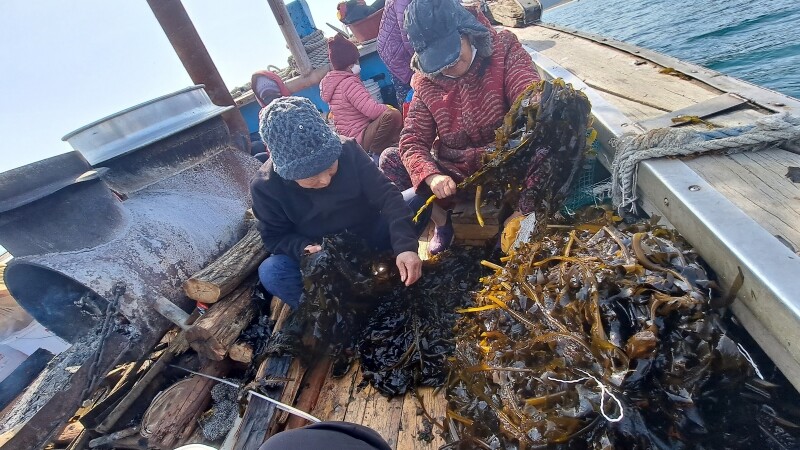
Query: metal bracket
[708,108]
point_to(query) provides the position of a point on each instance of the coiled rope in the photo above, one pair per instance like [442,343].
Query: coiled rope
[770,131]
[316,46]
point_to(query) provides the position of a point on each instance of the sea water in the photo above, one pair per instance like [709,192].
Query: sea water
[757,41]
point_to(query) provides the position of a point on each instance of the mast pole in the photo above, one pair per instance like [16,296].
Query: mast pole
[290,34]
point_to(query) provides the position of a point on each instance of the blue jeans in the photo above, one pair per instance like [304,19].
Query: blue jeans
[280,274]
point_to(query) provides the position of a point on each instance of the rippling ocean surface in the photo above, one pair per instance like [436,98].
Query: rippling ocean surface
[757,41]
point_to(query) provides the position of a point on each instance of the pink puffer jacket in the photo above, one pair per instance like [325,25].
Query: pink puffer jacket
[352,107]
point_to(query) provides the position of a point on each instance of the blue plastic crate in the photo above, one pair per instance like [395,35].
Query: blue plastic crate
[301,17]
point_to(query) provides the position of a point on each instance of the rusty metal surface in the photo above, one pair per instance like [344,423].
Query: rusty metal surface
[44,206]
[32,182]
[170,230]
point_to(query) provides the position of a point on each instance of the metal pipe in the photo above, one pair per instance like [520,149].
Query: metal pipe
[183,36]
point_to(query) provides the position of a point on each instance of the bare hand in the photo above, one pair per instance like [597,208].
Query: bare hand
[441,185]
[410,267]
[313,248]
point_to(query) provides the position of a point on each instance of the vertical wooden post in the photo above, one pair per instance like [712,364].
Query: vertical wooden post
[290,34]
[183,36]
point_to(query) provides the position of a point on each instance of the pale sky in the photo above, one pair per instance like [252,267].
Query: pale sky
[66,63]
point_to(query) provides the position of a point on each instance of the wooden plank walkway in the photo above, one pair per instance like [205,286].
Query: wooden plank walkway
[399,420]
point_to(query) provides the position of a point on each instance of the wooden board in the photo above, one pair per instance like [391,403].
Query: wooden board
[756,183]
[414,434]
[623,75]
[398,420]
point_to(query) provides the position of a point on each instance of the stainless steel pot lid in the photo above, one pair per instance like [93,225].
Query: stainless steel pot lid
[143,124]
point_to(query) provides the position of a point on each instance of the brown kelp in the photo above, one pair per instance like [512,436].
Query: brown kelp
[358,309]
[600,335]
[538,152]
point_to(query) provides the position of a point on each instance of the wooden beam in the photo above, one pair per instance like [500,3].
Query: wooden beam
[252,430]
[290,34]
[113,437]
[222,276]
[213,333]
[21,377]
[241,352]
[172,417]
[312,385]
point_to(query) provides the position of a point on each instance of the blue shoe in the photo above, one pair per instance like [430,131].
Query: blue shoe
[442,237]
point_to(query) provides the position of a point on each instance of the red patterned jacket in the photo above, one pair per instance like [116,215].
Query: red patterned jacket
[452,121]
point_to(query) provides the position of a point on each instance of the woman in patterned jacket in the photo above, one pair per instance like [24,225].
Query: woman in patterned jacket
[466,77]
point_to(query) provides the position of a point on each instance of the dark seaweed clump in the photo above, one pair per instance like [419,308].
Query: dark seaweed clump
[356,308]
[601,336]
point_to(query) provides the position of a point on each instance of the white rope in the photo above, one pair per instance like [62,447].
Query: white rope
[604,391]
[750,360]
[770,131]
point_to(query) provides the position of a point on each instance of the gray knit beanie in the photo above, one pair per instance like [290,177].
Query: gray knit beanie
[300,143]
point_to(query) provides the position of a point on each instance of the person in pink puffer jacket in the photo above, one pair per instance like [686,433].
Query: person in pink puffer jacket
[373,125]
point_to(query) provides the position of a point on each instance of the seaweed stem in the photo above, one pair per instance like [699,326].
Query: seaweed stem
[478,192]
[491,265]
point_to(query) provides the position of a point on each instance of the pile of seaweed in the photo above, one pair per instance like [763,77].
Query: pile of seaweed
[357,308]
[600,335]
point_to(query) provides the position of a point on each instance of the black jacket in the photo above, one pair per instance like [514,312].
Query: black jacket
[291,217]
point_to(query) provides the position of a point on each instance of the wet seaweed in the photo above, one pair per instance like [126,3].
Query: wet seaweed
[538,153]
[357,308]
[600,335]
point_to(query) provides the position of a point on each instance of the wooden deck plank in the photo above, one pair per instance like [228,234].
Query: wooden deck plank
[334,397]
[384,416]
[290,393]
[756,183]
[359,398]
[414,435]
[613,71]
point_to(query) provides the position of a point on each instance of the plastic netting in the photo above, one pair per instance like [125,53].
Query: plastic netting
[585,191]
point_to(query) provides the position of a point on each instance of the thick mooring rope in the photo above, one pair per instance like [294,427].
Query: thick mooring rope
[770,131]
[316,46]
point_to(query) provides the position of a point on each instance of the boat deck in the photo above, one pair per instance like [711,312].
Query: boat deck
[754,182]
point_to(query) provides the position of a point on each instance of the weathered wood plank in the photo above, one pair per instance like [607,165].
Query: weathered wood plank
[384,416]
[312,384]
[172,417]
[416,431]
[290,392]
[228,271]
[214,332]
[335,396]
[617,72]
[255,423]
[756,183]
[252,430]
[359,398]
